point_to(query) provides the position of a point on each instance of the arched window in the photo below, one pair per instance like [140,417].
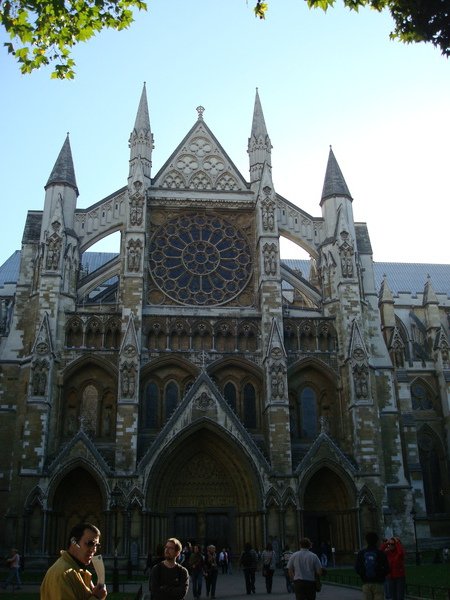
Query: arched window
[170,399]
[151,402]
[229,393]
[421,397]
[308,412]
[433,466]
[89,408]
[249,406]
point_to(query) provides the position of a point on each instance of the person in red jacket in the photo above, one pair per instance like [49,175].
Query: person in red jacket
[395,554]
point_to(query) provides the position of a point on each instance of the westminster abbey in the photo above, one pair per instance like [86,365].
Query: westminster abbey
[194,384]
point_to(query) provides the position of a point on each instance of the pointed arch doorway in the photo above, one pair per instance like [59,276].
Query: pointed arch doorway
[329,513]
[77,498]
[205,489]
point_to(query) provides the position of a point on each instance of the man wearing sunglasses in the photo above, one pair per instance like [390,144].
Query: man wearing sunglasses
[68,578]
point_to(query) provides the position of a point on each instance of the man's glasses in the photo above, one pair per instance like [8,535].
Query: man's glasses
[92,544]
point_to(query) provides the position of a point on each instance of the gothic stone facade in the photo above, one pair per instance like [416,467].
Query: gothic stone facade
[195,385]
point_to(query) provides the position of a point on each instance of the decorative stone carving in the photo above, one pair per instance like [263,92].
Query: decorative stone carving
[270,259]
[277,381]
[268,211]
[39,378]
[134,254]
[136,210]
[128,380]
[346,253]
[53,253]
[204,401]
[361,381]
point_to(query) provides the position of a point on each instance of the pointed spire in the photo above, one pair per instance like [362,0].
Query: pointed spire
[429,295]
[259,128]
[142,116]
[259,145]
[141,138]
[385,295]
[63,172]
[334,184]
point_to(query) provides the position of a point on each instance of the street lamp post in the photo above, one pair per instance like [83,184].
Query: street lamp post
[115,505]
[413,516]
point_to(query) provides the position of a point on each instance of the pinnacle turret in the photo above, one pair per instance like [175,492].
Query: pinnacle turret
[259,145]
[63,172]
[141,138]
[334,184]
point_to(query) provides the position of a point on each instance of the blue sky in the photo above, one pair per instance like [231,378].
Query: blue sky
[323,79]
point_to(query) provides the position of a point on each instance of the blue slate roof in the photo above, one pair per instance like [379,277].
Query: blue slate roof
[401,277]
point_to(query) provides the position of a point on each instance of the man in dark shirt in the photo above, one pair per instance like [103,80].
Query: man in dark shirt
[372,566]
[168,579]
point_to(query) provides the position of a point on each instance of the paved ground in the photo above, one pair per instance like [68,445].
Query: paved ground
[233,587]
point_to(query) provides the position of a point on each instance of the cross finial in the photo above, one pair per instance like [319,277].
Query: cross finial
[200,111]
[203,357]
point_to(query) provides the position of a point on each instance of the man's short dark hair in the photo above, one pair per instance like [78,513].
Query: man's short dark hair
[372,538]
[305,543]
[78,530]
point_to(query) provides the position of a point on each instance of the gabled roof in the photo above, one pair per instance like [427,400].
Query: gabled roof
[200,163]
[402,277]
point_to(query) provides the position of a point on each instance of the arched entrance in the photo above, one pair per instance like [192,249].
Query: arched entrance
[205,489]
[77,498]
[329,513]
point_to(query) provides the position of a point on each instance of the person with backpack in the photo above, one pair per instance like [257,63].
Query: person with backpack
[248,561]
[373,567]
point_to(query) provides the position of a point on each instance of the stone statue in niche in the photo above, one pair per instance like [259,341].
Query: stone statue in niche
[136,211]
[134,255]
[270,259]
[268,214]
[128,381]
[53,253]
[277,381]
[360,378]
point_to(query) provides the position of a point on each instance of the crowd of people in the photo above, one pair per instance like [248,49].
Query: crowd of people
[174,567]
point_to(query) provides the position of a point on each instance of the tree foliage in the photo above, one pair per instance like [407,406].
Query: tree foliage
[44,31]
[415,20]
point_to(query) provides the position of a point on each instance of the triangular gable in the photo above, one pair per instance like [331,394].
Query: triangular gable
[200,163]
[324,449]
[79,447]
[204,402]
[130,343]
[357,349]
[43,344]
[275,344]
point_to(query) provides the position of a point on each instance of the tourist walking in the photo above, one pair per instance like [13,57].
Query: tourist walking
[305,569]
[211,571]
[268,566]
[248,562]
[372,566]
[168,578]
[284,563]
[395,554]
[13,562]
[196,570]
[69,577]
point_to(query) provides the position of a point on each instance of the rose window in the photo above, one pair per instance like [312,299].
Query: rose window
[200,259]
